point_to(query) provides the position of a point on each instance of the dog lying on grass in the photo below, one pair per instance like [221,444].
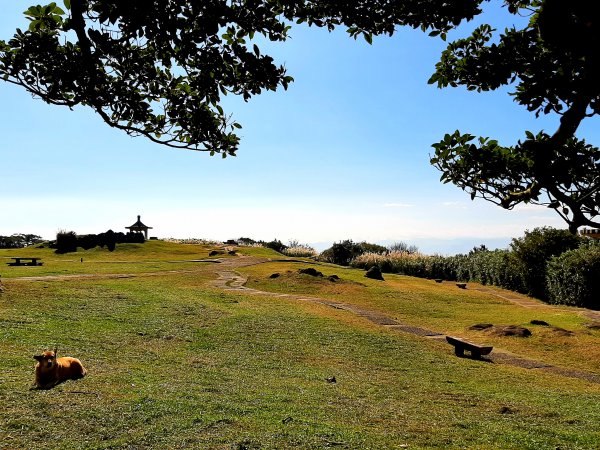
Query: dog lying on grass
[50,371]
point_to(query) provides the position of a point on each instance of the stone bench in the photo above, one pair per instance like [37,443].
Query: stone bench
[461,345]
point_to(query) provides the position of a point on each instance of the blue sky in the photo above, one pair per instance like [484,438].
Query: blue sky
[343,154]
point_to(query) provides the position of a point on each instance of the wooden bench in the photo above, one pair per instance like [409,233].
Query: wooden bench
[25,262]
[461,345]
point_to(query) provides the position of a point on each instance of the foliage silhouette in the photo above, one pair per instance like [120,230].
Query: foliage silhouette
[159,69]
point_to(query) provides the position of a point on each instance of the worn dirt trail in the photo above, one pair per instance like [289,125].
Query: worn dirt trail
[231,280]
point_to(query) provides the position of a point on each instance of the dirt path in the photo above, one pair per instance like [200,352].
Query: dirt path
[229,279]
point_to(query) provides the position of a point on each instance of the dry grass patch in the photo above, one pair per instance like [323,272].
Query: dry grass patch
[449,310]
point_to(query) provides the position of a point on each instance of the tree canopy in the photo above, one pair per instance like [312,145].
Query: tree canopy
[19,240]
[553,64]
[159,69]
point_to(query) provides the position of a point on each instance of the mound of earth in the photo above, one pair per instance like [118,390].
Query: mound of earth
[562,331]
[511,330]
[540,322]
[311,271]
[481,326]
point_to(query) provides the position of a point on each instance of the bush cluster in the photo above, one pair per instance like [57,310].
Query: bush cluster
[275,244]
[535,250]
[342,253]
[19,240]
[68,241]
[552,265]
[573,278]
[293,247]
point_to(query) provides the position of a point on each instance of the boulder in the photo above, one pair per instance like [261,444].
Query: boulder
[374,273]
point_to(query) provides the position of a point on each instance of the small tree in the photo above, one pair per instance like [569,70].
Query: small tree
[276,245]
[535,249]
[66,242]
[401,246]
[342,253]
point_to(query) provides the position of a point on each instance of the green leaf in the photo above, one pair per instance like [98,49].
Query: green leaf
[34,25]
[67,4]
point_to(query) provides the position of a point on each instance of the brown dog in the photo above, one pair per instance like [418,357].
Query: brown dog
[51,371]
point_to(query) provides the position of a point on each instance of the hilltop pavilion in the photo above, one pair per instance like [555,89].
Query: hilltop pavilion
[139,227]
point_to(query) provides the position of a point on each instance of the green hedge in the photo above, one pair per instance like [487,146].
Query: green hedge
[573,278]
[549,264]
[533,252]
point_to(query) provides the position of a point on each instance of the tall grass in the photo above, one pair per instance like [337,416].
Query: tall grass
[194,241]
[300,251]
[409,263]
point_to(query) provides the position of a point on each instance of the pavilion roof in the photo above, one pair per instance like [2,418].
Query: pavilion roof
[138,224]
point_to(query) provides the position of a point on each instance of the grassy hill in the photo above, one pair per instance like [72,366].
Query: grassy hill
[177,362]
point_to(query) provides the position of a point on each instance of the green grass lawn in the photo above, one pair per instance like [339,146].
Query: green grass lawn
[153,256]
[176,363]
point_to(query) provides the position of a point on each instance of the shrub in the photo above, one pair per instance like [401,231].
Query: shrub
[131,238]
[497,267]
[534,250]
[247,242]
[66,242]
[341,253]
[573,278]
[443,267]
[87,241]
[276,245]
[373,248]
